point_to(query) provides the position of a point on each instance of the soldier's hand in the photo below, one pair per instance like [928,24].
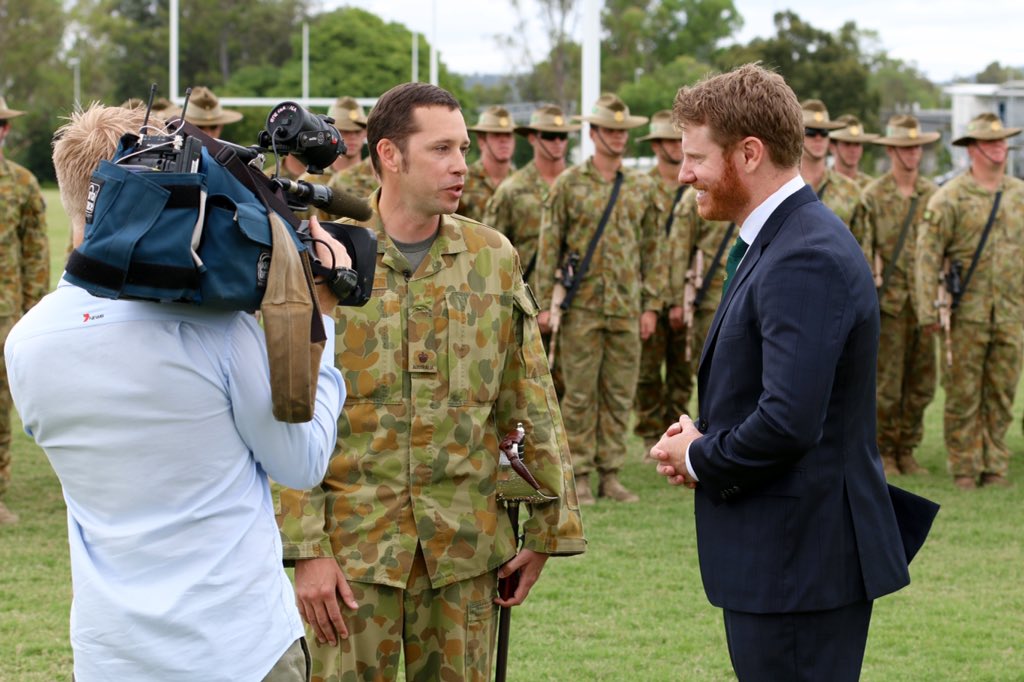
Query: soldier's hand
[529,564]
[675,318]
[544,321]
[319,584]
[648,323]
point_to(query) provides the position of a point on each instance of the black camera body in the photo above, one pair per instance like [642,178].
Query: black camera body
[309,137]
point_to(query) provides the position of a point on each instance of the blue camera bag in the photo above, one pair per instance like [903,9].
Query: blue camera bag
[201,238]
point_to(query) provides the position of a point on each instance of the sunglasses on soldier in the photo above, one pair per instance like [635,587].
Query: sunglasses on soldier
[815,132]
[554,136]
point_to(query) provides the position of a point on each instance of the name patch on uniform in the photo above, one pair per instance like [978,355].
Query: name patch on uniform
[95,187]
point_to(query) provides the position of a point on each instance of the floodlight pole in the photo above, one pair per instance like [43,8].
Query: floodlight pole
[172,86]
[590,77]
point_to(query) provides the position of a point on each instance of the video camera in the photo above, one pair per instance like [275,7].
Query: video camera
[219,206]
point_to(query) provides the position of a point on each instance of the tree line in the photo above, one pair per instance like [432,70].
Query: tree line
[254,48]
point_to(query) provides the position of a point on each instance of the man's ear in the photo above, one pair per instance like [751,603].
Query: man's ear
[752,153]
[389,155]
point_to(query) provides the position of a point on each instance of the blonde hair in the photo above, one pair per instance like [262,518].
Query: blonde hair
[748,101]
[80,144]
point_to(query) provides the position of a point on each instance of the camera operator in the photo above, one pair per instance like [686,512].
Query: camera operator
[157,419]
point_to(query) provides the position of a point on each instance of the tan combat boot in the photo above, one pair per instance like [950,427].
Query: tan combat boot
[7,517]
[612,489]
[583,494]
[889,465]
[908,465]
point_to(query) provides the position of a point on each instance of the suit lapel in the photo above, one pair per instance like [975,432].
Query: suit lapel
[771,228]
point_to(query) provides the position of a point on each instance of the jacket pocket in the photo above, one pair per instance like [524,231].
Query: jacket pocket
[368,349]
[479,329]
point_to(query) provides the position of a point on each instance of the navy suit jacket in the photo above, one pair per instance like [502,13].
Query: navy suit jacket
[792,509]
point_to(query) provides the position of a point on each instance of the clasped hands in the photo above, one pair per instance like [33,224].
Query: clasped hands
[670,452]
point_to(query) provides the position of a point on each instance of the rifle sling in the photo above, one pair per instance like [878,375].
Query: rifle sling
[585,265]
[891,265]
[981,246]
[672,211]
[529,267]
[713,268]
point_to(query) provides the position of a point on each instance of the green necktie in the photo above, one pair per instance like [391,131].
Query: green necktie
[733,262]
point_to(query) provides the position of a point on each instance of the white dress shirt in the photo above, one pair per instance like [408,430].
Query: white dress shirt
[157,419]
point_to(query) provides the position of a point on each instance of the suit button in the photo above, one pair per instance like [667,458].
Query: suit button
[702,425]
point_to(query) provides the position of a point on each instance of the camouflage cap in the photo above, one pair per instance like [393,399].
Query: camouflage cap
[852,131]
[204,109]
[904,131]
[547,119]
[986,126]
[610,111]
[347,114]
[816,116]
[494,119]
[6,113]
[661,127]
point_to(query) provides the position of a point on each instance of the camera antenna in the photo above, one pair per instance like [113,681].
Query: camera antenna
[149,108]
[184,107]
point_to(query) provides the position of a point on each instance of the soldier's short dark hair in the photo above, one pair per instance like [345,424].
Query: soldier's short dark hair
[393,117]
[749,101]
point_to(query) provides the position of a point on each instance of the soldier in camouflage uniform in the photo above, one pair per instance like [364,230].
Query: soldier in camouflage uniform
[835,190]
[709,239]
[516,207]
[892,207]
[497,145]
[205,112]
[847,147]
[440,364]
[619,296]
[24,273]
[660,401]
[987,325]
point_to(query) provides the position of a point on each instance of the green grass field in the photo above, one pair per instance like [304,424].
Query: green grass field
[631,608]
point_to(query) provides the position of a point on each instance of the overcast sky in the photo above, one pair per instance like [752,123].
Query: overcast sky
[944,38]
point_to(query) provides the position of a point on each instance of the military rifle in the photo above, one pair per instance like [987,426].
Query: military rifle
[947,298]
[565,280]
[694,283]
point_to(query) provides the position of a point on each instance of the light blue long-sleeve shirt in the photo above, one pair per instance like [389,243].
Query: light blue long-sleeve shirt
[157,419]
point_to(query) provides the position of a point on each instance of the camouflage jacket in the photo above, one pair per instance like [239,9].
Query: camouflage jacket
[628,273]
[952,227]
[478,190]
[884,212]
[24,247]
[842,195]
[862,179]
[704,236]
[439,366]
[359,180]
[515,210]
[668,242]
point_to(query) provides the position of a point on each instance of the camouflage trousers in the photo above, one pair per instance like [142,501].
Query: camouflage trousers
[660,401]
[6,323]
[906,381]
[600,357]
[445,633]
[979,396]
